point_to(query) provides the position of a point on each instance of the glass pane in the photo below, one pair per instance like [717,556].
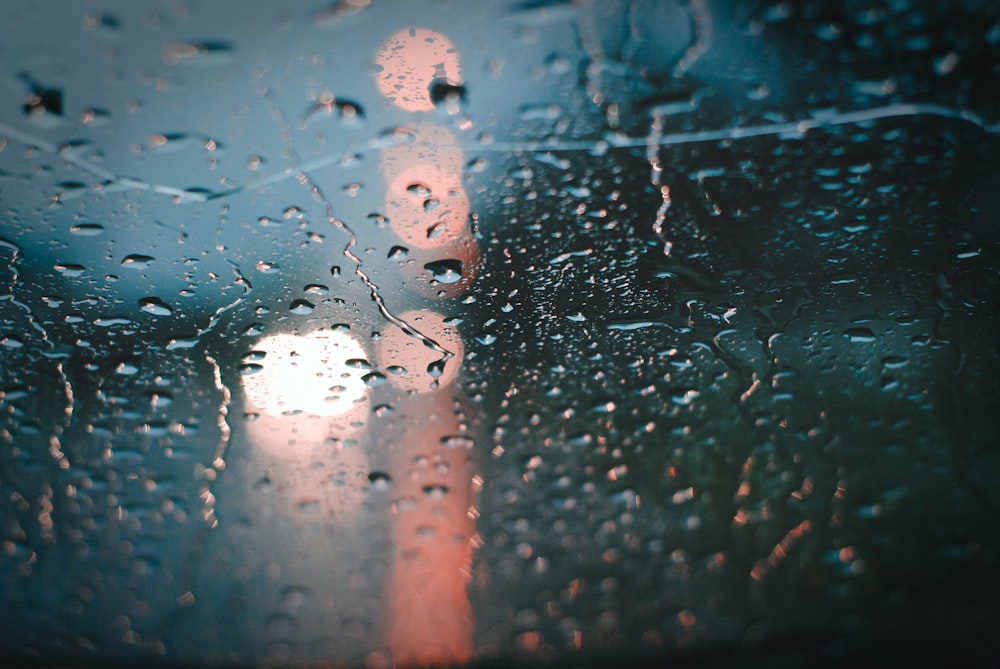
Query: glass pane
[383,333]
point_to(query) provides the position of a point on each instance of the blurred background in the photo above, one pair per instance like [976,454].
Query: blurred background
[431,333]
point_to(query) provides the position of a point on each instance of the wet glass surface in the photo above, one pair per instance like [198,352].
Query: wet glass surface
[441,332]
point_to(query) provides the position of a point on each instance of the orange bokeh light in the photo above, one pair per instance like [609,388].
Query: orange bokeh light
[410,61]
[398,349]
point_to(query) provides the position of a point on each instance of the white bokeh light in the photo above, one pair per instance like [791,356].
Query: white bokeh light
[308,373]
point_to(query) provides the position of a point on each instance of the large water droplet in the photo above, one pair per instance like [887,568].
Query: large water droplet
[380,481]
[155,306]
[137,261]
[87,229]
[301,307]
[445,271]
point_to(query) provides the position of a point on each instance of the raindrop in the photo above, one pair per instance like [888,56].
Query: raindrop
[126,369]
[373,379]
[301,307]
[316,289]
[208,54]
[137,261]
[860,335]
[267,267]
[155,306]
[250,368]
[11,341]
[458,441]
[417,189]
[436,368]
[338,10]
[87,229]
[70,270]
[398,253]
[42,101]
[447,94]
[435,491]
[445,271]
[380,481]
[112,321]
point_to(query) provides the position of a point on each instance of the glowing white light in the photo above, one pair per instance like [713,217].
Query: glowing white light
[305,373]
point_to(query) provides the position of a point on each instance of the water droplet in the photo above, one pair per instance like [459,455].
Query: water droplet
[447,95]
[301,307]
[87,229]
[126,369]
[70,270]
[435,491]
[155,306]
[458,441]
[204,54]
[860,335]
[419,190]
[398,253]
[267,267]
[316,289]
[380,481]
[11,341]
[112,321]
[373,379]
[137,261]
[445,271]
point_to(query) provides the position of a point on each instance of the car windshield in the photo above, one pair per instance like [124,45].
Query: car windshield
[373,333]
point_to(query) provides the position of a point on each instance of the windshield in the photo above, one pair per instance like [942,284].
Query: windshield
[400,334]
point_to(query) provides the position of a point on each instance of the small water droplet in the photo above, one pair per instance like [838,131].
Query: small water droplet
[458,441]
[316,289]
[435,491]
[398,253]
[301,307]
